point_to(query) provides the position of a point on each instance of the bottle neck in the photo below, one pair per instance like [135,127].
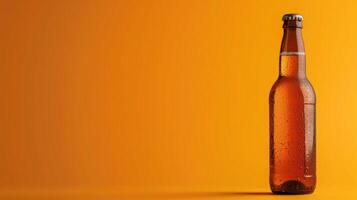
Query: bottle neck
[292,54]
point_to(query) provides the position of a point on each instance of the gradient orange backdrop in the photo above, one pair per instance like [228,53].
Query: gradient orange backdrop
[142,94]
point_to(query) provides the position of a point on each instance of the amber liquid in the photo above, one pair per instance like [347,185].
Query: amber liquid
[292,123]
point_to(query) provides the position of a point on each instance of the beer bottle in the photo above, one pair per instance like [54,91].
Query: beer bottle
[292,117]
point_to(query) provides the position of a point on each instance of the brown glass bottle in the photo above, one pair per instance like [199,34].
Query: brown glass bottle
[292,117]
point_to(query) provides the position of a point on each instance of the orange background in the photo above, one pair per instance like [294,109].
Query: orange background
[150,94]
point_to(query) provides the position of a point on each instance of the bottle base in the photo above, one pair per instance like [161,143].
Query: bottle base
[292,187]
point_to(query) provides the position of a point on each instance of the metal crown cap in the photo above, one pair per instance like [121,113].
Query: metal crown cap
[290,17]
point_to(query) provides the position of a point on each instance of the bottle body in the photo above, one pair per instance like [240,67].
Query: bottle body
[292,110]
[292,136]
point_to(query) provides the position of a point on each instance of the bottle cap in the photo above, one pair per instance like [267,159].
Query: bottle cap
[292,21]
[290,17]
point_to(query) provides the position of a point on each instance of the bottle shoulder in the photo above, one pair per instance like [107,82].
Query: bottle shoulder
[292,88]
